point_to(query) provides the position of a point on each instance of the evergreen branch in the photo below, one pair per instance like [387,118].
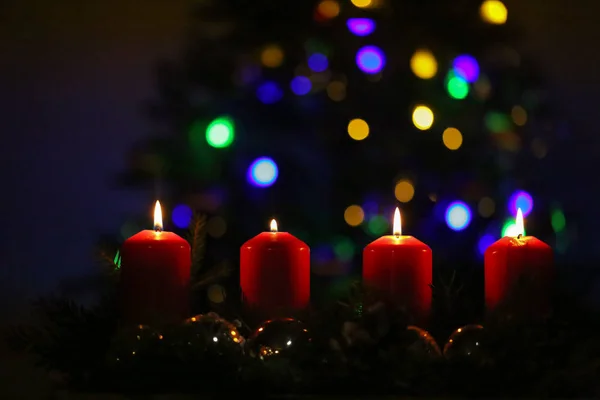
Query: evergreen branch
[197,240]
[220,271]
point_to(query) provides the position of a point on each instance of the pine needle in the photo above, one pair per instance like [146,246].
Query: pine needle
[197,240]
[214,274]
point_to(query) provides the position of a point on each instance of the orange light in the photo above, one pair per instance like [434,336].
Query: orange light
[397,223]
[273,225]
[519,224]
[158,223]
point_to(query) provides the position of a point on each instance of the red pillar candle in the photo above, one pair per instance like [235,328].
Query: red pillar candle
[275,273]
[514,258]
[155,276]
[401,268]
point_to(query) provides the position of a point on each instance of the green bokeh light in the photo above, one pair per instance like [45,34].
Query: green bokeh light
[457,87]
[509,228]
[343,248]
[497,122]
[378,225]
[558,220]
[220,132]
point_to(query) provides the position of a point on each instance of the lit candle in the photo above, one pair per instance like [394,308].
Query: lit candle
[155,276]
[400,266]
[513,259]
[275,273]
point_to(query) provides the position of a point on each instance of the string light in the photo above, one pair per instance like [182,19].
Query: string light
[404,191]
[452,138]
[271,56]
[370,59]
[422,117]
[220,132]
[361,26]
[263,172]
[458,216]
[358,129]
[354,215]
[493,12]
[423,64]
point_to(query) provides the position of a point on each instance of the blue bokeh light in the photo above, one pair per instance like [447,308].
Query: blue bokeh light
[262,172]
[484,242]
[182,216]
[466,67]
[269,92]
[361,26]
[520,199]
[301,85]
[318,62]
[370,59]
[458,216]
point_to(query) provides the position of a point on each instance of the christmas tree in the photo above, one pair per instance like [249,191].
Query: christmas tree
[327,114]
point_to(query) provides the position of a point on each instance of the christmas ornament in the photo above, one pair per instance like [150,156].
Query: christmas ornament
[279,338]
[467,344]
[132,344]
[421,345]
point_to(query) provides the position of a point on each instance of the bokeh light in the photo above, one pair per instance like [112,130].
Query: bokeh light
[484,242]
[423,64]
[329,8]
[269,92]
[262,172]
[457,87]
[361,3]
[404,191]
[216,227]
[182,216]
[493,12]
[378,225]
[510,229]
[458,216]
[539,148]
[486,207]
[497,122]
[452,138]
[370,59]
[361,26]
[354,215]
[422,117]
[336,91]
[318,62]
[343,248]
[520,199]
[271,56]
[358,129]
[466,67]
[301,85]
[558,220]
[519,115]
[220,132]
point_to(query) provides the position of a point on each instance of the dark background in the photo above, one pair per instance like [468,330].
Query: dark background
[74,75]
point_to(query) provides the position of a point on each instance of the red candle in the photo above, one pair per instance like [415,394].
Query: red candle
[515,258]
[401,268]
[275,273]
[155,276]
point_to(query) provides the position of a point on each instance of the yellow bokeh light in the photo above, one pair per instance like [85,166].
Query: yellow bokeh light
[486,207]
[404,191]
[329,8]
[452,138]
[272,56]
[422,117]
[336,91]
[493,12]
[358,129]
[354,215]
[361,3]
[423,64]
[519,115]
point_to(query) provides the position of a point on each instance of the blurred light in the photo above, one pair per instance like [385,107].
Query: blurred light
[216,227]
[484,242]
[269,92]
[466,67]
[423,64]
[301,85]
[558,220]
[271,56]
[457,87]
[361,26]
[343,248]
[520,199]
[510,229]
[354,215]
[458,216]
[378,225]
[497,122]
[422,117]
[432,197]
[220,132]
[486,207]
[318,62]
[519,115]
[404,191]
[361,3]
[452,138]
[329,8]
[182,216]
[358,129]
[370,59]
[539,148]
[263,172]
[336,91]
[493,12]
[483,88]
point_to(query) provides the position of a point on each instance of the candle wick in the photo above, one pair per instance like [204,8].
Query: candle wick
[397,235]
[157,228]
[519,237]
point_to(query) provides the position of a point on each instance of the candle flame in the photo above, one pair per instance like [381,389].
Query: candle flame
[397,223]
[273,225]
[158,223]
[519,224]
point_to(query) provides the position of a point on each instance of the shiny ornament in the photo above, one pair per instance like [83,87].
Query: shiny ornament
[132,344]
[282,337]
[421,345]
[467,344]
[216,294]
